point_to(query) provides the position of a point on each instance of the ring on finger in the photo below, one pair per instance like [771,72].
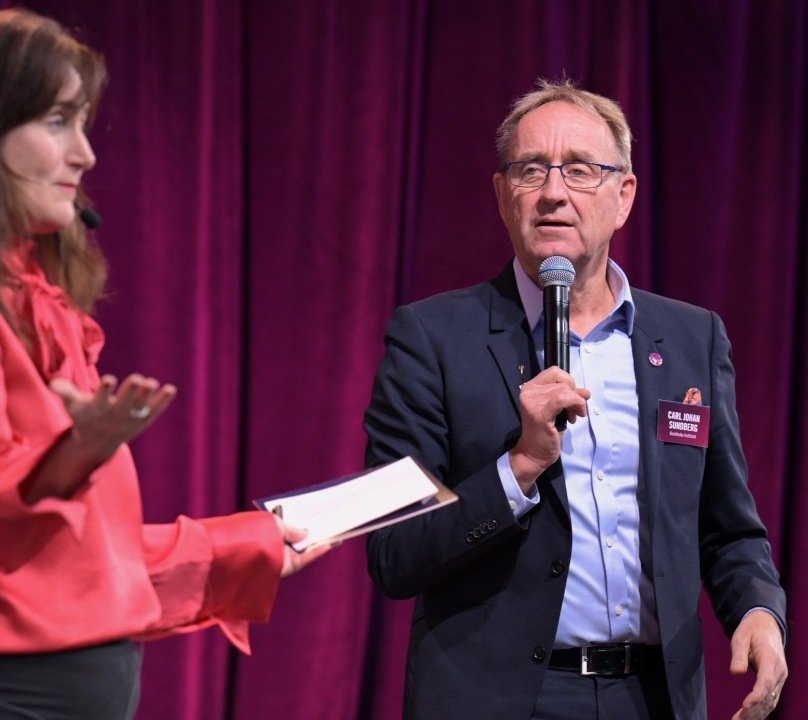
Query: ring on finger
[140,413]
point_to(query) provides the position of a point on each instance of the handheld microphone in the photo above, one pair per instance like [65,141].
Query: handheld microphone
[89,217]
[556,275]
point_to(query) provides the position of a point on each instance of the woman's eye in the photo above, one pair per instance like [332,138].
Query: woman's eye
[56,121]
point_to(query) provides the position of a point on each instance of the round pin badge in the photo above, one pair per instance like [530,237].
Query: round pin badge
[655,359]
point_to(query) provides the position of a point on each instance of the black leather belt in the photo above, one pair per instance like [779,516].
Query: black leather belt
[610,660]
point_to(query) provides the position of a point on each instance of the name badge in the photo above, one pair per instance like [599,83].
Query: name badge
[683,423]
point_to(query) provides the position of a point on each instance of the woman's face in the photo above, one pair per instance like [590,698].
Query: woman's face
[47,157]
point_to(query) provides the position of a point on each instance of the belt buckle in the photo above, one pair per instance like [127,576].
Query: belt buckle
[585,659]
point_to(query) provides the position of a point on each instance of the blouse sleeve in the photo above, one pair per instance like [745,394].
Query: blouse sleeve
[32,417]
[222,570]
[31,420]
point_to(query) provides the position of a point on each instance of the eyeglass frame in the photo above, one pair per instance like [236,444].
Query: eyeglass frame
[603,170]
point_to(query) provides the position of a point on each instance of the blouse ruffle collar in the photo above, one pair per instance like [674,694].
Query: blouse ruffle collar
[64,339]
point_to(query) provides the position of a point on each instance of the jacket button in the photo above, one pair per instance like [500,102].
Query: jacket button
[539,653]
[556,568]
[470,538]
[491,525]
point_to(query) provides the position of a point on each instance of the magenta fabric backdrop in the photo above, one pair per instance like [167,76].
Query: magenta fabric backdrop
[276,175]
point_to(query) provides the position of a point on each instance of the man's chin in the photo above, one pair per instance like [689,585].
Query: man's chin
[547,247]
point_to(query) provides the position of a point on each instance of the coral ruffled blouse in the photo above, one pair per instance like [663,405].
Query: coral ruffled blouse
[86,570]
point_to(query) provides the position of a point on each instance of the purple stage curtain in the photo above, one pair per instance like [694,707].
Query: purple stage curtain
[276,176]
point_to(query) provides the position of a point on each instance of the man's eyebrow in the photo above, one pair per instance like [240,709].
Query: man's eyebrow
[583,155]
[528,156]
[570,156]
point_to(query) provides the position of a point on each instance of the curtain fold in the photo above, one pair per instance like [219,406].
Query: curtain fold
[333,94]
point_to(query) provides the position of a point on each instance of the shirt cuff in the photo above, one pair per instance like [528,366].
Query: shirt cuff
[519,502]
[765,609]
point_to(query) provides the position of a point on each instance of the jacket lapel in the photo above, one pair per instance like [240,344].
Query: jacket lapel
[509,338]
[652,384]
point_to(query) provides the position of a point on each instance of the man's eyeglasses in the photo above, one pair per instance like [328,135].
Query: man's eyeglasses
[577,175]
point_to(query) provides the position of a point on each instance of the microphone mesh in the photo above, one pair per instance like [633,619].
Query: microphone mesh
[556,270]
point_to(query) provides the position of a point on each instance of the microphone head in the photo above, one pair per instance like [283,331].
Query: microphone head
[556,270]
[89,217]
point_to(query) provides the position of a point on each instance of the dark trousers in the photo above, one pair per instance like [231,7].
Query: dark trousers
[567,695]
[98,682]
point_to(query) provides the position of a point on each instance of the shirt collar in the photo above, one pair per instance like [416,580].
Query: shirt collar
[531,295]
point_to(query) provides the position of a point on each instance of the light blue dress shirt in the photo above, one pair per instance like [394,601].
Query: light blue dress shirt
[608,597]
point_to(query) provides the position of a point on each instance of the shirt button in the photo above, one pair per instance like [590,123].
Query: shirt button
[600,475]
[596,410]
[587,349]
[512,503]
[618,609]
[609,542]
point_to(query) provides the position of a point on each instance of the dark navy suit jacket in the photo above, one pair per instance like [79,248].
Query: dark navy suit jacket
[489,587]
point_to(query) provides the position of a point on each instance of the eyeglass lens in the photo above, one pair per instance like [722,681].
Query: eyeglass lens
[576,174]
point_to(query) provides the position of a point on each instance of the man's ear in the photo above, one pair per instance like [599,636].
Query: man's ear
[502,192]
[627,192]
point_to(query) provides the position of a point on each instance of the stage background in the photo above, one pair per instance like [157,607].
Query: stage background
[276,176]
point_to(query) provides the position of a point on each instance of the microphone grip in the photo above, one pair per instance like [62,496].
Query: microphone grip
[557,335]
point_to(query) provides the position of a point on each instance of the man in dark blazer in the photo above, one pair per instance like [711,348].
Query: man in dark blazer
[564,584]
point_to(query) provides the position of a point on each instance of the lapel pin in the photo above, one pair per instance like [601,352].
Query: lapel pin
[522,370]
[655,359]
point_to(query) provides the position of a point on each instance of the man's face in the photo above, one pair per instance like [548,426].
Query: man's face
[554,219]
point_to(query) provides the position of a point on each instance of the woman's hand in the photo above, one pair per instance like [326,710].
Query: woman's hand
[292,559]
[107,419]
[102,422]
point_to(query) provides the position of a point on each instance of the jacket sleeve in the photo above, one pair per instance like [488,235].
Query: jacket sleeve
[736,561]
[409,414]
[222,570]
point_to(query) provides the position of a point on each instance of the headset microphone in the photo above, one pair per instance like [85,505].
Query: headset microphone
[89,217]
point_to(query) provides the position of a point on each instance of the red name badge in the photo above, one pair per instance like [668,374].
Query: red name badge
[683,424]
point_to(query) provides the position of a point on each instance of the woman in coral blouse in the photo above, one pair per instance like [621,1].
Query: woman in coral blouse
[71,525]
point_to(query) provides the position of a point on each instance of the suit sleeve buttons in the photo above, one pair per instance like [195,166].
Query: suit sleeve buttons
[472,536]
